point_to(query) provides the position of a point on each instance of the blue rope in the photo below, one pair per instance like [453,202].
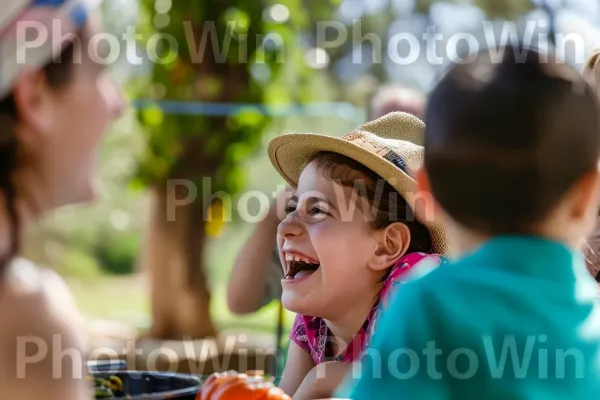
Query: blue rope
[174,107]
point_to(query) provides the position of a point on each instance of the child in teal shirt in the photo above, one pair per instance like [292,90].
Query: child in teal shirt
[511,157]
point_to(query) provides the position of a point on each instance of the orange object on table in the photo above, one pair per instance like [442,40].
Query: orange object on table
[232,385]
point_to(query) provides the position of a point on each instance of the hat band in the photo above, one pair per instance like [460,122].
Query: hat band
[378,149]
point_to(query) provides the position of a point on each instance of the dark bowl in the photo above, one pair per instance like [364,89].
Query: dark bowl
[106,366]
[139,385]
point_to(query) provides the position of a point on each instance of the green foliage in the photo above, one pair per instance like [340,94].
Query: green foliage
[118,253]
[222,59]
[507,9]
[76,263]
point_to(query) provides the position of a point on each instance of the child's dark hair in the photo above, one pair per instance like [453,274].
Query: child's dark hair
[506,140]
[387,204]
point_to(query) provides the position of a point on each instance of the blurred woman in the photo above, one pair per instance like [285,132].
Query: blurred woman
[55,105]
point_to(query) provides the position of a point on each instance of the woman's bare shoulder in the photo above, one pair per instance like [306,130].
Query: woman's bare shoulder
[42,333]
[39,319]
[39,297]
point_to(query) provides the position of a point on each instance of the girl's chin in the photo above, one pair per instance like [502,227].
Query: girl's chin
[294,304]
[304,306]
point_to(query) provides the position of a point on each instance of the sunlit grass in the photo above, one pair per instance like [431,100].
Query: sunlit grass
[126,300]
[123,299]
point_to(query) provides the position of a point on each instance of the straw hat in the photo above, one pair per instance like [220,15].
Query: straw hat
[386,146]
[591,71]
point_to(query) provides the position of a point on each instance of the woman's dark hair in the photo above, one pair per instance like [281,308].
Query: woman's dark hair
[58,74]
[385,202]
[506,139]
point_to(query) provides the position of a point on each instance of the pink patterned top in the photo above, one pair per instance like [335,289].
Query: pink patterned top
[312,333]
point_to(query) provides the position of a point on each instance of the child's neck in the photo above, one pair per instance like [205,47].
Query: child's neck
[463,240]
[345,325]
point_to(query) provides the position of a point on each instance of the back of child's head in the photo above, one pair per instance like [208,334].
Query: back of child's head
[507,139]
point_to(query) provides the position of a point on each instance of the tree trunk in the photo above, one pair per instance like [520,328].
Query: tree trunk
[174,249]
[173,256]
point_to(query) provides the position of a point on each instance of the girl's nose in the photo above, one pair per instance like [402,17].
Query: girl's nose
[290,227]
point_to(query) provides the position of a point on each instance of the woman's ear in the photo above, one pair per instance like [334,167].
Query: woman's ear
[392,244]
[32,99]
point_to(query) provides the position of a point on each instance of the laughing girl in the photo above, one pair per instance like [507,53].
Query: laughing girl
[350,236]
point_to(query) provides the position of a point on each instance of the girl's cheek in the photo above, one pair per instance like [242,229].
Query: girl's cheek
[325,228]
[317,233]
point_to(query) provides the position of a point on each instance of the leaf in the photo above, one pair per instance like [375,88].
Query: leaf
[216,217]
[509,9]
[137,184]
[237,20]
[214,144]
[153,116]
[173,56]
[238,152]
[248,117]
[236,179]
[298,15]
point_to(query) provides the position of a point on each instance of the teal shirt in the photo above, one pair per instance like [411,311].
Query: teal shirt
[516,319]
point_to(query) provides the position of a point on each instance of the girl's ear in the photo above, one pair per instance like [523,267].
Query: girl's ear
[392,244]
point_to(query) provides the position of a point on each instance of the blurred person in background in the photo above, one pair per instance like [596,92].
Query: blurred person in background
[392,98]
[55,106]
[591,247]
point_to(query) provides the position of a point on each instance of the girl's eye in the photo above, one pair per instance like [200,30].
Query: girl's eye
[290,208]
[317,211]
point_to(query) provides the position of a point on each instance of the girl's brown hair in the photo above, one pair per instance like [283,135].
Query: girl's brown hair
[58,74]
[387,204]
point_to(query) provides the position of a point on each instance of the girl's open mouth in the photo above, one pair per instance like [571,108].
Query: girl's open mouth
[299,266]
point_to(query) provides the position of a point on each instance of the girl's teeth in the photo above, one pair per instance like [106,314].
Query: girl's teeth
[292,257]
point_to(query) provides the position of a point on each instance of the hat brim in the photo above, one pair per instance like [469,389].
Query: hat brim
[289,154]
[71,16]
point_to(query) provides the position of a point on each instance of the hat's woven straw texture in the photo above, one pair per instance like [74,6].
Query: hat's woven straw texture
[387,146]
